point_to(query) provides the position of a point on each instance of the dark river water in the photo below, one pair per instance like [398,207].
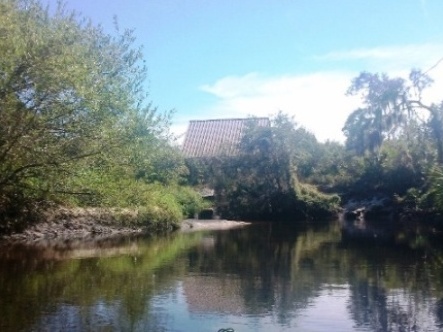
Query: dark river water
[258,278]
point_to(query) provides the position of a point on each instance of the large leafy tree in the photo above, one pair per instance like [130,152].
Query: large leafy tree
[384,101]
[400,134]
[262,181]
[71,105]
[390,106]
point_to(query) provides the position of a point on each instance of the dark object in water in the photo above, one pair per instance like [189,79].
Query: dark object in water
[206,214]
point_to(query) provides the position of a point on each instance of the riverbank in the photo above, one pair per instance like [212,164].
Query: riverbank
[391,212]
[78,223]
[190,225]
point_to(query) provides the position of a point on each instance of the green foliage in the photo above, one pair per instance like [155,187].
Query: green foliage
[400,169]
[262,182]
[384,101]
[75,129]
[434,195]
[158,202]
[201,171]
[326,166]
[435,124]
[315,204]
[399,140]
[190,201]
[167,214]
[392,106]
[75,126]
[392,173]
[64,89]
[411,201]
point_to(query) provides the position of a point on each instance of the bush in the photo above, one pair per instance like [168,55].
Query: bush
[190,201]
[17,211]
[314,203]
[165,217]
[112,188]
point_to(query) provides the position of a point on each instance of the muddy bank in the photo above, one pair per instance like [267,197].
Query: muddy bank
[86,224]
[80,223]
[71,230]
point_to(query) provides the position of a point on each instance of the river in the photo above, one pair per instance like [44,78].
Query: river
[263,277]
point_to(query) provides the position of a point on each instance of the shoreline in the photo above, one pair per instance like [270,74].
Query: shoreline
[87,226]
[190,225]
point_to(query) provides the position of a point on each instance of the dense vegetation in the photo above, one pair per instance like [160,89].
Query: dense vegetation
[393,152]
[76,129]
[397,139]
[261,182]
[393,148]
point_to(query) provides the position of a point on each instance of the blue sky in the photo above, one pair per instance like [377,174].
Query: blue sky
[233,58]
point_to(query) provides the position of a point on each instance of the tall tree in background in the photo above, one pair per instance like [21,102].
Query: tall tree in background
[434,123]
[390,106]
[384,101]
[400,134]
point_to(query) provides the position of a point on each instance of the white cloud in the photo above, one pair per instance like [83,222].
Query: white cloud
[179,130]
[317,100]
[235,86]
[435,93]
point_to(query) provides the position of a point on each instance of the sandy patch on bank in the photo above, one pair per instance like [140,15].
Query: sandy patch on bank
[189,225]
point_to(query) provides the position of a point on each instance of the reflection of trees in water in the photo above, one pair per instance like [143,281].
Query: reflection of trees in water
[262,263]
[263,270]
[280,271]
[392,288]
[372,306]
[439,312]
[100,316]
[82,293]
[368,305]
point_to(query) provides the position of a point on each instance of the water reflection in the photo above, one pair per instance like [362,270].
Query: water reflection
[260,278]
[51,288]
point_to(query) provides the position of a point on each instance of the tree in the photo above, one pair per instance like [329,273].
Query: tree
[385,104]
[74,121]
[65,88]
[262,181]
[421,81]
[399,134]
[391,104]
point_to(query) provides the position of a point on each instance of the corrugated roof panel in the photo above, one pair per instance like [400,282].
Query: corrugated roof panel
[208,138]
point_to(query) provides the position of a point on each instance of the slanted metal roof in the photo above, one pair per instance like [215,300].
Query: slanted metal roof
[209,138]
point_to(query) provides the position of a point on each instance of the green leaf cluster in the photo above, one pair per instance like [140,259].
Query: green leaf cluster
[262,181]
[398,139]
[75,127]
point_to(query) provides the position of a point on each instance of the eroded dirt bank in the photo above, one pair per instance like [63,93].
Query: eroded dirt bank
[78,224]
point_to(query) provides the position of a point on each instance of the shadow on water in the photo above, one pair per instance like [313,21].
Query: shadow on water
[266,277]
